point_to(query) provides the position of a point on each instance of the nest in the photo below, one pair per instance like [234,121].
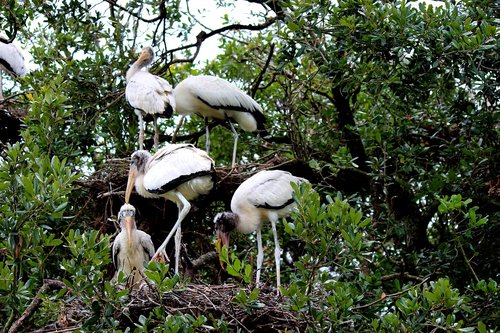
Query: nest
[268,313]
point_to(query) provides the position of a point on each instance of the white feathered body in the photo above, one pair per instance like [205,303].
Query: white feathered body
[12,59]
[265,196]
[128,259]
[213,97]
[180,167]
[148,93]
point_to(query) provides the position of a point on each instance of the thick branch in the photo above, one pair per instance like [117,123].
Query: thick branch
[346,124]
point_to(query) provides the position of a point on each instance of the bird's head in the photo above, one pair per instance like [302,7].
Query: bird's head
[138,162]
[126,216]
[147,56]
[224,223]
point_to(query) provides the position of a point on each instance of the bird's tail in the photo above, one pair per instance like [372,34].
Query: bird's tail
[169,110]
[261,124]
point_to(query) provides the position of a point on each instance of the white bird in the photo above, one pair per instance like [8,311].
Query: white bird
[266,196]
[214,98]
[177,172]
[131,247]
[12,61]
[148,94]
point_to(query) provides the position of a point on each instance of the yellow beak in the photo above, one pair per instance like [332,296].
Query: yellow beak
[129,221]
[145,56]
[132,174]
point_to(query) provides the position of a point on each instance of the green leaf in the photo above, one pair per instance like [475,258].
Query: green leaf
[481,327]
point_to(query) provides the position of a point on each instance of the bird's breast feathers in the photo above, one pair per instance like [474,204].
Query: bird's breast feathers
[149,93]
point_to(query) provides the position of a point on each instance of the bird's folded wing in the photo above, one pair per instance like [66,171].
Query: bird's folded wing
[175,167]
[220,94]
[116,252]
[163,85]
[147,92]
[271,190]
[147,244]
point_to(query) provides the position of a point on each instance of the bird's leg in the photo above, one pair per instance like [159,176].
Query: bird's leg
[184,206]
[1,86]
[174,136]
[235,134]
[178,236]
[277,255]
[207,134]
[157,136]
[141,131]
[260,257]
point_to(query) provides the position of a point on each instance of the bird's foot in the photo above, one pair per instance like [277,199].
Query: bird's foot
[160,257]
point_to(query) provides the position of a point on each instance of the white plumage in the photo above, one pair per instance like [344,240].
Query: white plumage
[177,172]
[215,98]
[12,61]
[266,196]
[148,93]
[131,247]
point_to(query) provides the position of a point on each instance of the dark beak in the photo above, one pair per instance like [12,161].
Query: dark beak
[222,240]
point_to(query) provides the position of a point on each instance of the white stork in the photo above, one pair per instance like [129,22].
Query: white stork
[177,172]
[266,196]
[214,98]
[131,247]
[12,61]
[148,94]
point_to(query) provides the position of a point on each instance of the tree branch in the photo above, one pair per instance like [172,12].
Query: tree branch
[47,285]
[202,36]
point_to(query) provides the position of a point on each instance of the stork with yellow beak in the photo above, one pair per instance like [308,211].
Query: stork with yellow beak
[148,94]
[177,172]
[132,247]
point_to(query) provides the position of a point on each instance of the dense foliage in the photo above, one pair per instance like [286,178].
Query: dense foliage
[391,110]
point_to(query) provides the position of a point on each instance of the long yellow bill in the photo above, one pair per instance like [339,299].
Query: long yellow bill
[129,220]
[132,174]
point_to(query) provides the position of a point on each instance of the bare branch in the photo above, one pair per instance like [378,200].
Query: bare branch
[47,285]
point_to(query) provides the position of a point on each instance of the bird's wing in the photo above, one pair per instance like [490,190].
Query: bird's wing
[149,93]
[147,244]
[163,85]
[116,252]
[12,59]
[269,189]
[175,165]
[220,94]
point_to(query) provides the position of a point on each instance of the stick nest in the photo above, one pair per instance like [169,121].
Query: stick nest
[268,313]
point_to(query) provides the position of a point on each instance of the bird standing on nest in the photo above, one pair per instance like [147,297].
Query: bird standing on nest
[131,247]
[176,172]
[148,94]
[266,196]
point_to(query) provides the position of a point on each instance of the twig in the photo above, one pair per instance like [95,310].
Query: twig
[405,275]
[389,296]
[467,262]
[67,329]
[47,284]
